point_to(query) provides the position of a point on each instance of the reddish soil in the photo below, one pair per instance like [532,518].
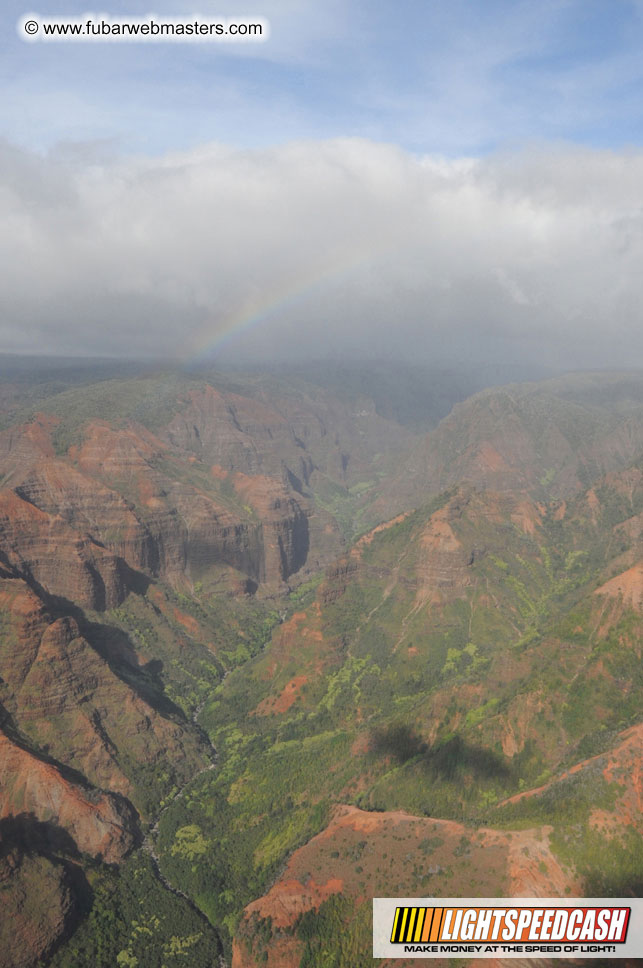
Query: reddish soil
[190,624]
[99,825]
[489,459]
[290,898]
[621,765]
[363,855]
[560,512]
[627,586]
[366,539]
[526,516]
[443,566]
[285,699]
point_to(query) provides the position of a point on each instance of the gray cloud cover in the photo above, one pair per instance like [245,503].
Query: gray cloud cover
[346,245]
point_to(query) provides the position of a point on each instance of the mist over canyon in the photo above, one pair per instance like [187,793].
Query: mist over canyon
[343,247]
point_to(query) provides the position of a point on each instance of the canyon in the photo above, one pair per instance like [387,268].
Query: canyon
[297,649]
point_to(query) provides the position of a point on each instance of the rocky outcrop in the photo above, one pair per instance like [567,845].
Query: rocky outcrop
[117,507]
[66,698]
[285,534]
[87,506]
[443,570]
[176,528]
[265,535]
[290,434]
[98,823]
[125,494]
[66,563]
[337,579]
[235,432]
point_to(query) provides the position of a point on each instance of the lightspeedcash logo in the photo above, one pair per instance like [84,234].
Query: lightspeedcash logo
[404,927]
[421,924]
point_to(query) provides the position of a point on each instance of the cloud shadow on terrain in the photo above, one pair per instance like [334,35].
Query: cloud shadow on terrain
[447,760]
[33,836]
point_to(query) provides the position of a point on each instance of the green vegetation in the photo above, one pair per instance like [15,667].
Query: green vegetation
[151,401]
[383,662]
[446,665]
[135,921]
[336,935]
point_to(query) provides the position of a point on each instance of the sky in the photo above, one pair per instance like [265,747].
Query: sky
[433,179]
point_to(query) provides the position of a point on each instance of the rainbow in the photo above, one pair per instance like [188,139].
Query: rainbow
[217,334]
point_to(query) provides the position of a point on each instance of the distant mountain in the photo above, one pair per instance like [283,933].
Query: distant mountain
[546,439]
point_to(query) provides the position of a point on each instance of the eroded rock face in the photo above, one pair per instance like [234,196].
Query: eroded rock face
[285,435]
[64,696]
[98,823]
[227,482]
[337,580]
[86,506]
[43,549]
[444,562]
[126,500]
[23,445]
[285,534]
[232,431]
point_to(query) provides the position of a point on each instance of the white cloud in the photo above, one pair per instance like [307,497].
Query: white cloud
[343,244]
